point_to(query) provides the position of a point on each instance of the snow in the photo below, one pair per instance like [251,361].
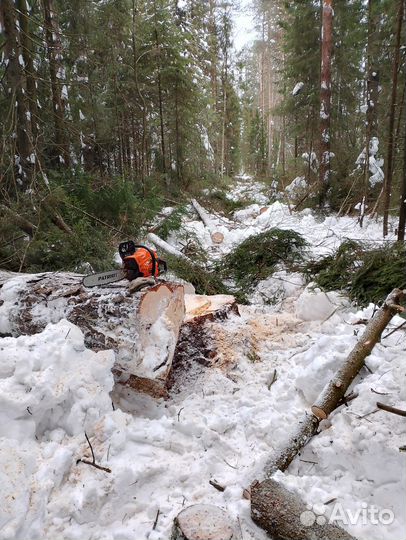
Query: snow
[298,88]
[223,424]
[299,184]
[375,163]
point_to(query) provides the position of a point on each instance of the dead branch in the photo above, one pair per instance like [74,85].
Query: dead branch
[390,409]
[216,485]
[93,462]
[21,222]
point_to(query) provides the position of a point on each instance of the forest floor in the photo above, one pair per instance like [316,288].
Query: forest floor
[222,423]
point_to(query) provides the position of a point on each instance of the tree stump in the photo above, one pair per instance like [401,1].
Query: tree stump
[203,522]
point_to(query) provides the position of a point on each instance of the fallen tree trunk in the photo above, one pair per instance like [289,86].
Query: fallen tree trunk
[333,394]
[216,236]
[142,328]
[203,214]
[336,388]
[167,248]
[271,504]
[284,516]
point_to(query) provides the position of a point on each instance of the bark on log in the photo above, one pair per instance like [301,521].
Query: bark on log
[167,248]
[203,214]
[281,460]
[203,522]
[336,388]
[141,328]
[284,516]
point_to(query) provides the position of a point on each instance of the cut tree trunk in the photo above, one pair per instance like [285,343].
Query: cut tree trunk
[336,388]
[197,347]
[203,522]
[333,394]
[216,236]
[141,328]
[167,248]
[273,507]
[284,515]
[202,213]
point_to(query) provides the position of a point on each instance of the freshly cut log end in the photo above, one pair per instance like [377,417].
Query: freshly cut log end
[319,412]
[203,522]
[217,238]
[284,516]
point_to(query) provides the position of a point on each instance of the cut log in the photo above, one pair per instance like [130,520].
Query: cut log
[203,214]
[142,328]
[284,516]
[217,238]
[203,522]
[167,248]
[337,387]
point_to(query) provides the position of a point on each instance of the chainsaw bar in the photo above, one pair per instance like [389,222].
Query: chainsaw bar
[103,278]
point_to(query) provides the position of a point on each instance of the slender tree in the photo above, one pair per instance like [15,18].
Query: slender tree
[392,110]
[325,99]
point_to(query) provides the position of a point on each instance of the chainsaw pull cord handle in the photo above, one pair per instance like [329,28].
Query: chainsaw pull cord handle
[152,257]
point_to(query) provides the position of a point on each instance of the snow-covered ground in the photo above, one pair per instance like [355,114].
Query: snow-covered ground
[221,426]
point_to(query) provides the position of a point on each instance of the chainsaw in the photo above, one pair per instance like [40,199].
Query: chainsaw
[139,261]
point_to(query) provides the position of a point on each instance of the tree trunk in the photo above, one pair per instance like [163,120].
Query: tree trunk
[390,148]
[15,80]
[325,100]
[333,393]
[402,208]
[57,73]
[284,515]
[336,388]
[26,43]
[372,105]
[109,317]
[167,248]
